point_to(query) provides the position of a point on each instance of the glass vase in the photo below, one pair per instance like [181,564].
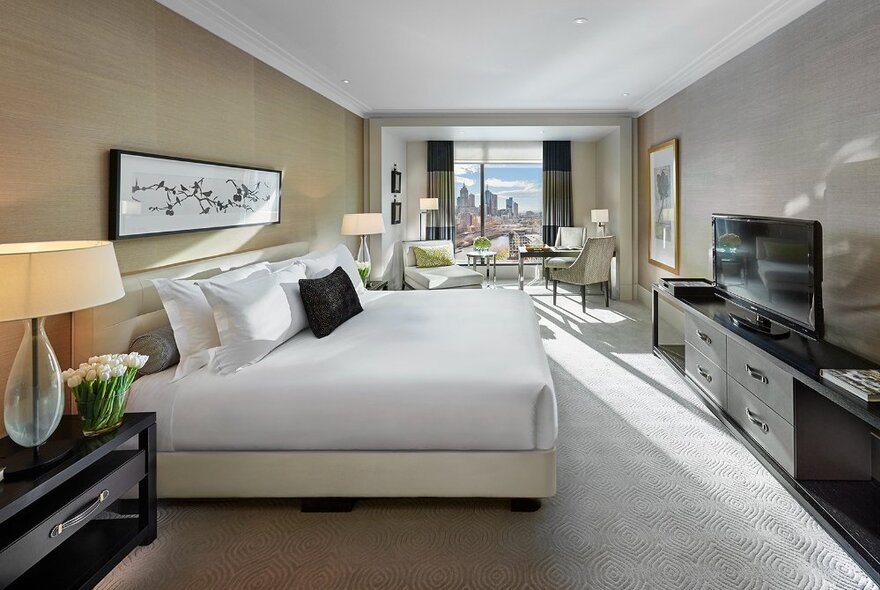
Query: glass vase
[363,260]
[34,399]
[100,413]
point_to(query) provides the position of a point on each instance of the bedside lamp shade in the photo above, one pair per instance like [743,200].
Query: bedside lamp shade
[48,278]
[362,224]
[429,204]
[599,215]
[42,279]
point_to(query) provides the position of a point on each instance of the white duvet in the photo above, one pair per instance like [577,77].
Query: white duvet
[420,370]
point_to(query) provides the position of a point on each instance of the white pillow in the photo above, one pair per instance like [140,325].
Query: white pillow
[338,256]
[191,317]
[281,264]
[289,278]
[255,308]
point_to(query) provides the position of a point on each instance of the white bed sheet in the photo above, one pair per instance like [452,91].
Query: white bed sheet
[421,370]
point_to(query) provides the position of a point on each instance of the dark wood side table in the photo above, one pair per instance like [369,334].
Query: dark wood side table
[53,533]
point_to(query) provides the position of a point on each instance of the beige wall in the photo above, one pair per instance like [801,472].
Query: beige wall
[788,128]
[583,183]
[81,77]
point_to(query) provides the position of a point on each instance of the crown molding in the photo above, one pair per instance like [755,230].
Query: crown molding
[215,19]
[773,17]
[397,114]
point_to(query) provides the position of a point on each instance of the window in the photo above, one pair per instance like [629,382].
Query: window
[503,202]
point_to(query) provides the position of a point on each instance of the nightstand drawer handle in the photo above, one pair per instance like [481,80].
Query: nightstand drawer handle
[82,516]
[754,420]
[704,373]
[754,374]
[704,337]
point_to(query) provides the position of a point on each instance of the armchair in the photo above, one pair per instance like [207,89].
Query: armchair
[593,265]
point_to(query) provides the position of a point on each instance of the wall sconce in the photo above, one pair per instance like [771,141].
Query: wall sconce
[396,178]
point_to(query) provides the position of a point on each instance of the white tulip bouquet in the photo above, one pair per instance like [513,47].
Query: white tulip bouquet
[100,387]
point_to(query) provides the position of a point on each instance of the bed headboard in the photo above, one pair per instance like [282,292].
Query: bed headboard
[111,328]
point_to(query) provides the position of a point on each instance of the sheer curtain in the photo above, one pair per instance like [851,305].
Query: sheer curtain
[557,188]
[441,186]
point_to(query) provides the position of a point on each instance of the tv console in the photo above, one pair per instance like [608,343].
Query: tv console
[815,440]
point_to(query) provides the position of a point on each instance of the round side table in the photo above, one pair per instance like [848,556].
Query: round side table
[484,257]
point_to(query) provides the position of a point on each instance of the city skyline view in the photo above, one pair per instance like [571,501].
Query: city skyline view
[511,203]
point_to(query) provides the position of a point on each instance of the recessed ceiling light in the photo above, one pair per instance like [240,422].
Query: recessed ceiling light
[346,81]
[580,21]
[626,93]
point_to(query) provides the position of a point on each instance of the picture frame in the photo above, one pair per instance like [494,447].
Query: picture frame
[664,207]
[396,207]
[155,195]
[396,180]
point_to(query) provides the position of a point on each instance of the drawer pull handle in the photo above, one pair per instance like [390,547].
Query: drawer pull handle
[704,337]
[82,516]
[754,374]
[704,374]
[754,420]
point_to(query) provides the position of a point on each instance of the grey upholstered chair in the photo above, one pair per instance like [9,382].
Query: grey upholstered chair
[593,265]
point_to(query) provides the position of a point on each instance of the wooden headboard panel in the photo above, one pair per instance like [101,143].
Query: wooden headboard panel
[110,328]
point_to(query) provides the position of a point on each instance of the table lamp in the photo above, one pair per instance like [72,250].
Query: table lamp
[427,204]
[44,279]
[600,218]
[363,224]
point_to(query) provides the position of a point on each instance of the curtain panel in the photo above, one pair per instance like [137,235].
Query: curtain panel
[557,188]
[441,186]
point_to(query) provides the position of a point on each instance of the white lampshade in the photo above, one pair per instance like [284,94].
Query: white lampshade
[599,215]
[47,278]
[429,204]
[362,224]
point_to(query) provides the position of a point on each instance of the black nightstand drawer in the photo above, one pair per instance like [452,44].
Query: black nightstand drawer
[70,507]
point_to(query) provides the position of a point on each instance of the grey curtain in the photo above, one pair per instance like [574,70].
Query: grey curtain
[441,185]
[557,188]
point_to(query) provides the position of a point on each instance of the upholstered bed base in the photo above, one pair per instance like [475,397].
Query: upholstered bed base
[301,474]
[357,474]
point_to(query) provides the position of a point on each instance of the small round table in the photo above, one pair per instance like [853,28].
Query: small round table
[484,257]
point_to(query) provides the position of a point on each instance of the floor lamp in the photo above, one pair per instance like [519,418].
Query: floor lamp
[425,205]
[43,279]
[363,225]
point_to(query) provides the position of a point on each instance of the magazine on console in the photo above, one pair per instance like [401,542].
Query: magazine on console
[862,383]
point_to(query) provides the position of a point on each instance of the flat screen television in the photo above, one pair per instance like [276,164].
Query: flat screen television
[773,268]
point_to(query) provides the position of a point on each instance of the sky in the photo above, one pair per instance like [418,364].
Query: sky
[520,181]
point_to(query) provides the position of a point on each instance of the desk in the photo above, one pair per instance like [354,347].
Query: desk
[543,254]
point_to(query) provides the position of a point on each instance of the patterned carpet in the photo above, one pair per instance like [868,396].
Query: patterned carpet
[653,493]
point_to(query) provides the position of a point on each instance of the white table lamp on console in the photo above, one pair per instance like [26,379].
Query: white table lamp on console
[44,279]
[427,204]
[600,218]
[363,225]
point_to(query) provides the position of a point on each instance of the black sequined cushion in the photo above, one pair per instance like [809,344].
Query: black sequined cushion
[160,346]
[329,301]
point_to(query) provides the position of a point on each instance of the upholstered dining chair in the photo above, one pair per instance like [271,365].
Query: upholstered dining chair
[567,238]
[593,265]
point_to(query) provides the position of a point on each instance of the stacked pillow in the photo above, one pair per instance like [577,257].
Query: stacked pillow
[237,317]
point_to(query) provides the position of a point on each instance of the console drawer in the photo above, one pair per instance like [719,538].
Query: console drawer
[764,425]
[709,376]
[767,381]
[702,335]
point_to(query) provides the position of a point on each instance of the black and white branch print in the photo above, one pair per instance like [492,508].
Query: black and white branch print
[242,197]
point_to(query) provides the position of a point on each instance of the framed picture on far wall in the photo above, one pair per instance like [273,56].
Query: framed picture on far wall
[396,207]
[153,195]
[664,236]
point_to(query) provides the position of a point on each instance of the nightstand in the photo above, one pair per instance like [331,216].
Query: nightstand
[377,285]
[54,532]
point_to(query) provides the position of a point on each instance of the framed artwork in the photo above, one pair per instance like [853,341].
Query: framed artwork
[396,177]
[153,195]
[395,212]
[664,210]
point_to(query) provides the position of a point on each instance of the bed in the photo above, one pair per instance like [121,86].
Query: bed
[433,394]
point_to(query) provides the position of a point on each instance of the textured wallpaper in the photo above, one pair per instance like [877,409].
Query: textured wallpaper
[790,128]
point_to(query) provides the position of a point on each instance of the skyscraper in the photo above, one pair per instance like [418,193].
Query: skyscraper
[491,203]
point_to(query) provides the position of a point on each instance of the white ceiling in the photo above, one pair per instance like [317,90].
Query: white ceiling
[411,56]
[500,133]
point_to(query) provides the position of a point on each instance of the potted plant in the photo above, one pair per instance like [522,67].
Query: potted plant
[482,244]
[100,388]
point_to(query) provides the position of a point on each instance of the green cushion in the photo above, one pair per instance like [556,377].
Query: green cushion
[432,257]
[559,262]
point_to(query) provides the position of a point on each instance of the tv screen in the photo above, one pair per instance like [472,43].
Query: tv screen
[772,267]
